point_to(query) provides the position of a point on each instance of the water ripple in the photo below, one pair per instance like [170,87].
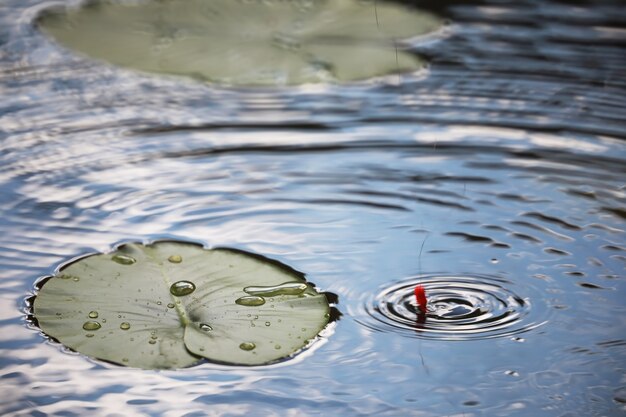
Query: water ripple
[463,307]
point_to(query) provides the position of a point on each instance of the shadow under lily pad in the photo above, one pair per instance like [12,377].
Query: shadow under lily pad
[169,304]
[247,42]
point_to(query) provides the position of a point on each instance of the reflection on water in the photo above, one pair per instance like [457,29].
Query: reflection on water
[501,171]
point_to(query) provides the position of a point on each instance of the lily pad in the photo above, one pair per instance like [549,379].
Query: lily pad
[170,304]
[247,42]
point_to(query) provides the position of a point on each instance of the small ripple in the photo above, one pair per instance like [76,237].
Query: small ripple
[591,286]
[471,238]
[543,229]
[554,220]
[618,211]
[555,251]
[613,248]
[523,236]
[468,237]
[612,343]
[522,198]
[210,127]
[337,201]
[426,200]
[459,308]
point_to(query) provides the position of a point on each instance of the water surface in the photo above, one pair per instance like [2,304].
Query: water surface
[496,179]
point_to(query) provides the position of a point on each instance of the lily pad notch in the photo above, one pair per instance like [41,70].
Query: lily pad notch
[170,304]
[247,42]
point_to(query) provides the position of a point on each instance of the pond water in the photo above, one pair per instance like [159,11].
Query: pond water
[496,179]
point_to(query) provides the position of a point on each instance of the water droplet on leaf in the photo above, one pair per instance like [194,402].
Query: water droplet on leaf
[91,325]
[250,301]
[175,259]
[124,259]
[170,305]
[182,288]
[247,346]
[125,326]
[93,314]
[286,288]
[205,327]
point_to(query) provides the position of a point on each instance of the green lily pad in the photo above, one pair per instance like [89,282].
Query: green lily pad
[247,42]
[169,304]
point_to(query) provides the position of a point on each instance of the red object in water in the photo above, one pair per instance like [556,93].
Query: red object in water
[420,297]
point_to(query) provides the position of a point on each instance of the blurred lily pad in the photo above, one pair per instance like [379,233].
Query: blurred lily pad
[246,42]
[169,304]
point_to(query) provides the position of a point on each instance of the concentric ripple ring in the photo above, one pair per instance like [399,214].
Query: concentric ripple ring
[466,307]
